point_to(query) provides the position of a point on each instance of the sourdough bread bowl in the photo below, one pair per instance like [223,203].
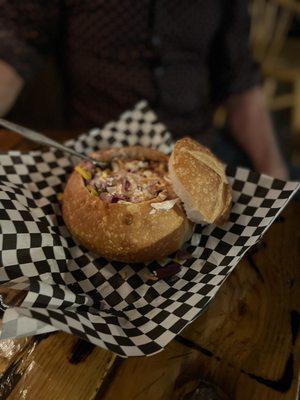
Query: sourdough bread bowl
[143,207]
[125,231]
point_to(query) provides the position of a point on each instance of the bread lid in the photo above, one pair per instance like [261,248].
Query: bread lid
[199,180]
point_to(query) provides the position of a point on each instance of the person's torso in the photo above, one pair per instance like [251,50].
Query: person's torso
[119,52]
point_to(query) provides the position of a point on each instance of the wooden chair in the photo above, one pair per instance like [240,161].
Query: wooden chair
[278,54]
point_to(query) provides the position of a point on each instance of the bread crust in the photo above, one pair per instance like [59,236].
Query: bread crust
[199,179]
[124,232]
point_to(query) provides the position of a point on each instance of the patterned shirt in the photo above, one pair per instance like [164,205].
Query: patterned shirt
[183,56]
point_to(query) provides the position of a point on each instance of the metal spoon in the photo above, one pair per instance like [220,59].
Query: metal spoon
[42,139]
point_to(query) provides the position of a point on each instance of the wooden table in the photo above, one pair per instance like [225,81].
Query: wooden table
[246,342]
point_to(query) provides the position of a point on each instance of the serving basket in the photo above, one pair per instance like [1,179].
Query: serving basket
[115,305]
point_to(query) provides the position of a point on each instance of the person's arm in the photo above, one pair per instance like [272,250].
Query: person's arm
[10,86]
[28,31]
[251,126]
[235,82]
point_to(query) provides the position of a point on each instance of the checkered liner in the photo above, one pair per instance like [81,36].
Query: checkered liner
[114,305]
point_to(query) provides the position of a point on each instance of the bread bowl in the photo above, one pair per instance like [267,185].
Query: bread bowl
[129,231]
[132,212]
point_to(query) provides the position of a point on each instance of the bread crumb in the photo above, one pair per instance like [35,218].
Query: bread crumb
[151,277]
[123,275]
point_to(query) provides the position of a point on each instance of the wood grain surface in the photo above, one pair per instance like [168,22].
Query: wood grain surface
[246,342]
[61,367]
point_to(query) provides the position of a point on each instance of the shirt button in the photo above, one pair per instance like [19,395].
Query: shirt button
[159,72]
[156,42]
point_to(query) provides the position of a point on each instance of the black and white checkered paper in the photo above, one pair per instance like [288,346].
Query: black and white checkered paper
[113,304]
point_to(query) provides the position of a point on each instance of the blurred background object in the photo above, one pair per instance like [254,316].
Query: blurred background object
[275,38]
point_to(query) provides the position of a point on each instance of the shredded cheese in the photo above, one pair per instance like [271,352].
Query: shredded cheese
[83,172]
[164,205]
